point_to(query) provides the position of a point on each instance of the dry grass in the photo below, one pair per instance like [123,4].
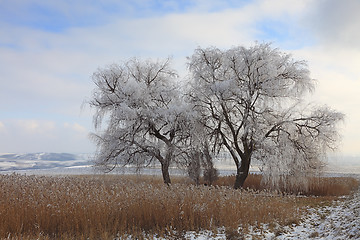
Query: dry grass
[104,207]
[318,186]
[336,186]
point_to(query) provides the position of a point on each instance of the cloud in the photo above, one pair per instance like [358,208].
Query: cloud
[76,127]
[28,125]
[49,53]
[27,135]
[45,79]
[57,16]
[333,59]
[49,69]
[336,22]
[338,84]
[2,127]
[35,126]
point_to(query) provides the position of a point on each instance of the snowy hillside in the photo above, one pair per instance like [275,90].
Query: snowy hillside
[37,161]
[67,163]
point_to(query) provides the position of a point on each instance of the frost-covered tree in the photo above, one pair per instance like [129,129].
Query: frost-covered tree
[141,103]
[198,156]
[201,159]
[251,102]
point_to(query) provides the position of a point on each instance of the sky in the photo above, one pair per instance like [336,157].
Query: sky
[50,49]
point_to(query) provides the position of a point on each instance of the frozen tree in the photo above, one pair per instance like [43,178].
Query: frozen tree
[201,159]
[251,103]
[210,172]
[141,104]
[196,148]
[194,166]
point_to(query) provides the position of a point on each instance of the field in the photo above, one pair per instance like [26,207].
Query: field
[115,206]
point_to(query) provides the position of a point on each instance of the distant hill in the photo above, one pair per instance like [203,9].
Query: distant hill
[41,156]
[67,163]
[31,161]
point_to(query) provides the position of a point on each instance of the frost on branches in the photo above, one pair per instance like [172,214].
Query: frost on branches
[141,102]
[247,101]
[251,102]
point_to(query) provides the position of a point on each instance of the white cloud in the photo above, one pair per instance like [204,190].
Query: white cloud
[50,72]
[338,84]
[23,135]
[2,127]
[59,65]
[336,22]
[31,126]
[334,60]
[76,127]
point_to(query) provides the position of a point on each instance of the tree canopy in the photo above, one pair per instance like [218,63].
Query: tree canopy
[144,114]
[249,102]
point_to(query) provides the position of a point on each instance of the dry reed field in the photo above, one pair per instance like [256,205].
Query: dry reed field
[318,186]
[113,206]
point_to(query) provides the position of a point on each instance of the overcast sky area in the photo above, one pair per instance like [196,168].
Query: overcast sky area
[49,50]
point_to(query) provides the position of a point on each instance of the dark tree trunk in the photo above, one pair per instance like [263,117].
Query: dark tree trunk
[242,172]
[210,172]
[165,172]
[194,167]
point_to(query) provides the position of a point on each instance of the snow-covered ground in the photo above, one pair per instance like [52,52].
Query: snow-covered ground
[341,220]
[42,161]
[67,163]
[338,221]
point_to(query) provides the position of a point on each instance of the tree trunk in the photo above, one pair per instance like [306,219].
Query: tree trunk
[165,172]
[242,172]
[210,172]
[194,167]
